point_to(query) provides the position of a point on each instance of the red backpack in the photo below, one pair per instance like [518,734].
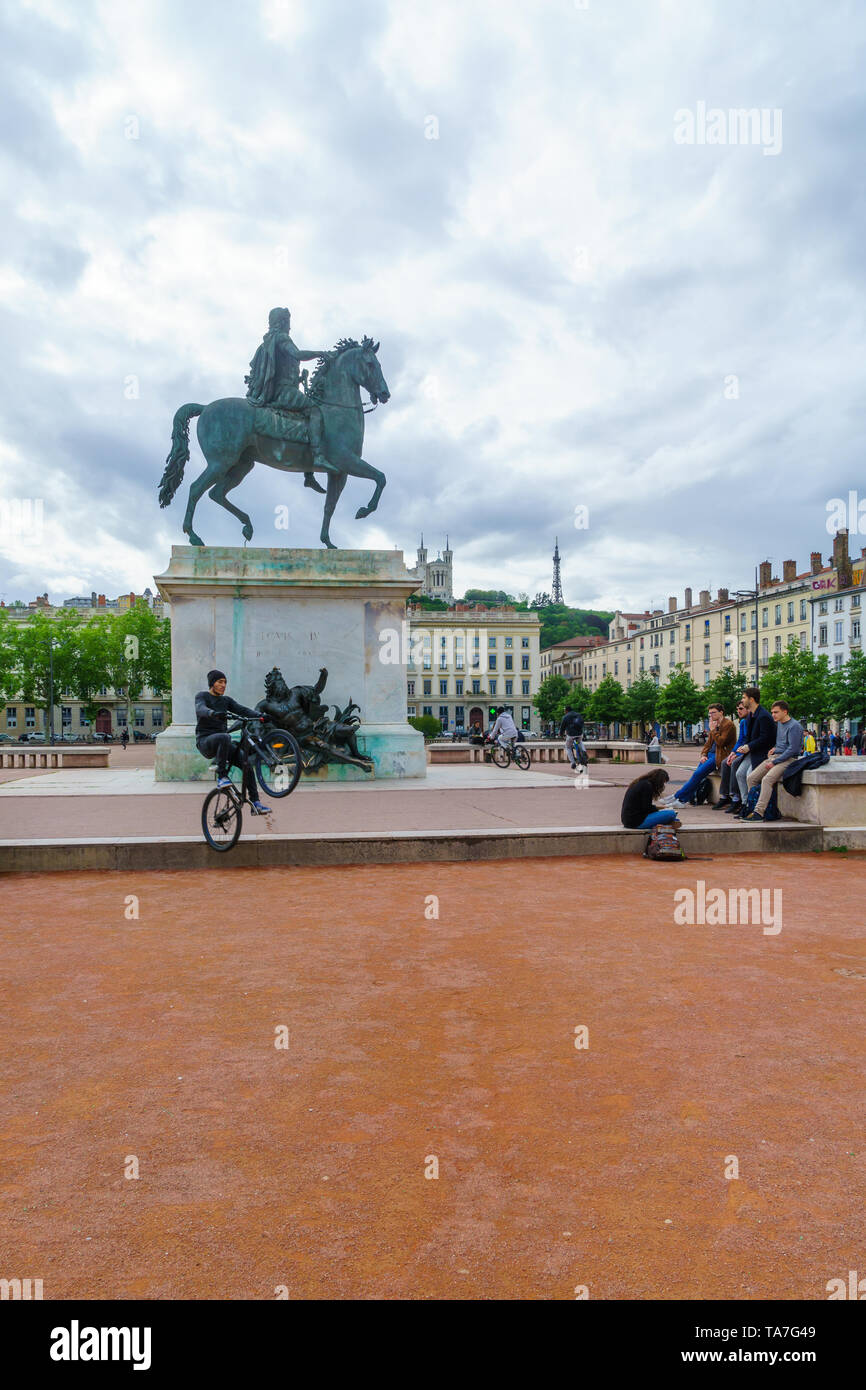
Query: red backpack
[663,843]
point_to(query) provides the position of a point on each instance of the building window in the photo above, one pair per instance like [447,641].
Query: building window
[121,717]
[706,651]
[673,659]
[443,687]
[754,622]
[688,632]
[492,687]
[459,715]
[777,613]
[443,661]
[65,716]
[476,687]
[525,687]
[727,623]
[688,655]
[156,716]
[822,607]
[839,605]
[411,687]
[742,622]
[29,717]
[727,652]
[837,632]
[458,662]
[427,662]
[428,688]
[706,627]
[83,721]
[509,661]
[765,648]
[509,641]
[791,611]
[778,644]
[411,712]
[837,662]
[616,668]
[641,663]
[706,678]
[855,600]
[491,661]
[458,687]
[855,630]
[822,635]
[628,666]
[509,687]
[802,610]
[742,653]
[524,641]
[524,663]
[443,714]
[753,652]
[427,709]
[138,717]
[802,641]
[765,617]
[491,643]
[641,644]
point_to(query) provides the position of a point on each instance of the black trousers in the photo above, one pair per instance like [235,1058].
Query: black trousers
[727,774]
[228,754]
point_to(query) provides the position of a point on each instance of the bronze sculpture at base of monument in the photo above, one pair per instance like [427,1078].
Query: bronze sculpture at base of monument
[301,712]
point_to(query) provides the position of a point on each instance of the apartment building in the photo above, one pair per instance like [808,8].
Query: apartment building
[469,659]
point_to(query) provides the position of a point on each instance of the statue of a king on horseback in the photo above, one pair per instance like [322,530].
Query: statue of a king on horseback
[316,430]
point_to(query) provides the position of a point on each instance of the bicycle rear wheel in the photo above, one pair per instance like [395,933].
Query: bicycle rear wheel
[279,777]
[499,755]
[221,819]
[522,758]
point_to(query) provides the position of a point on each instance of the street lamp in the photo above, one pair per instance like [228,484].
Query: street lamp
[753,594]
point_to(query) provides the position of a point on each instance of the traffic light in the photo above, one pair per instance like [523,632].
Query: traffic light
[492,712]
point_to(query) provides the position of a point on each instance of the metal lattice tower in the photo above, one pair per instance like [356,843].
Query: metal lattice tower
[557,577]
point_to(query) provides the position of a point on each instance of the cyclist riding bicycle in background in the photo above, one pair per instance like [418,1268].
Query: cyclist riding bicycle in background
[212,708]
[504,731]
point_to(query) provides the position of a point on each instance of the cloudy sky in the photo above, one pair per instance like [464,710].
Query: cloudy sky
[580,304]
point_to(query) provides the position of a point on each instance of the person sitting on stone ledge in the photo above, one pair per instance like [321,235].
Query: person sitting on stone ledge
[719,744]
[638,811]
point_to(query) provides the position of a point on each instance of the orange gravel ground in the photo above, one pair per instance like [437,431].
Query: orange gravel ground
[411,1037]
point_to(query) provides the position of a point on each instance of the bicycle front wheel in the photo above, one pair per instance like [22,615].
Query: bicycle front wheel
[500,755]
[221,819]
[522,758]
[278,771]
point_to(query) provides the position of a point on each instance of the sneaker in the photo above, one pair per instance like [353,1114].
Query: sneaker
[755,815]
[722,804]
[734,808]
[258,809]
[224,782]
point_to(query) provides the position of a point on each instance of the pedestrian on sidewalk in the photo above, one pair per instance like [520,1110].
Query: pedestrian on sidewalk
[638,811]
[124,738]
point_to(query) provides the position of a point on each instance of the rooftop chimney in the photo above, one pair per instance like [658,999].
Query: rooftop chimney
[765,574]
[672,605]
[815,559]
[100,600]
[789,569]
[723,596]
[688,599]
[93,598]
[705,598]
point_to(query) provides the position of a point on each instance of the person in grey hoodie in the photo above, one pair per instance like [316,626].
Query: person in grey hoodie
[789,745]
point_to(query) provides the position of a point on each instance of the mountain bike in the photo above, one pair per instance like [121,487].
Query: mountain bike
[276,761]
[514,752]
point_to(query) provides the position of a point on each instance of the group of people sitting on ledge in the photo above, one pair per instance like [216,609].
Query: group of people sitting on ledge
[758,752]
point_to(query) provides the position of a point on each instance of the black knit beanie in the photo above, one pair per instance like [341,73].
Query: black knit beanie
[214,676]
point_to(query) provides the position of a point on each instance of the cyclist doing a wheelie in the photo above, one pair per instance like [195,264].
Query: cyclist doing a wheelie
[212,708]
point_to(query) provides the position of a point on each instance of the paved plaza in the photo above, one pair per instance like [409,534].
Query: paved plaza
[418,1044]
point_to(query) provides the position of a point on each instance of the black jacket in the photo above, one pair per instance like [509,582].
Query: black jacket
[793,778]
[637,804]
[572,724]
[212,713]
[760,735]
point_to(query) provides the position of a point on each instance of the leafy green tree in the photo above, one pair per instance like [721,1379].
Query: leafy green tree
[800,678]
[551,696]
[680,700]
[608,702]
[45,643]
[579,697]
[727,688]
[848,689]
[135,652]
[9,682]
[640,701]
[427,725]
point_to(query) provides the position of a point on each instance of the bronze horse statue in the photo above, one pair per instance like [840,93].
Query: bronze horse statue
[235,433]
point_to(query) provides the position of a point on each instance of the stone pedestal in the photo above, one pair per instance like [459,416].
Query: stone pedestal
[244,611]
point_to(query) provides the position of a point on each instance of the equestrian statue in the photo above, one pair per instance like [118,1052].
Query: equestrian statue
[317,429]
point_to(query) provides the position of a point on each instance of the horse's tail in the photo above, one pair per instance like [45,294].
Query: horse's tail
[177,459]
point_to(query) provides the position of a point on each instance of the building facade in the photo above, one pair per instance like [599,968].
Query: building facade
[466,662]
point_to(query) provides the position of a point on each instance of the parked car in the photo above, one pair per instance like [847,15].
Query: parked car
[36,738]
[100,737]
[140,736]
